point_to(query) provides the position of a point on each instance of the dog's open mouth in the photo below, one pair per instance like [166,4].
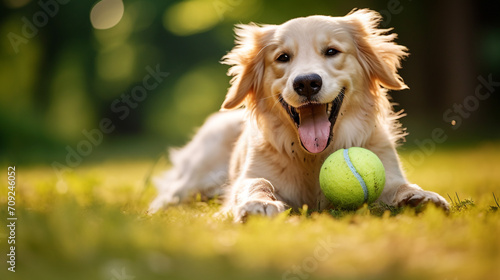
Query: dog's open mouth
[315,122]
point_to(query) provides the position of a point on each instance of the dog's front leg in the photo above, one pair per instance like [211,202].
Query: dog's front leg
[398,191]
[254,196]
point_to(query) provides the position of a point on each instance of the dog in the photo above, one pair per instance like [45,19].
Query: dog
[299,91]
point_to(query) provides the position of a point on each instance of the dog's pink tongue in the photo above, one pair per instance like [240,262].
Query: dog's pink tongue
[314,128]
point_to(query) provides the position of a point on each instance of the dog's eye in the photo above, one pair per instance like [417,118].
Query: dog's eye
[331,52]
[283,57]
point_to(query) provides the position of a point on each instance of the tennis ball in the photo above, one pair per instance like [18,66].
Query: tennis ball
[351,177]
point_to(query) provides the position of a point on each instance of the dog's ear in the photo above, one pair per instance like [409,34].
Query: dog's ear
[379,56]
[247,63]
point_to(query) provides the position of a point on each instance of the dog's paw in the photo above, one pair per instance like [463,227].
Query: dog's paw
[162,202]
[258,207]
[413,195]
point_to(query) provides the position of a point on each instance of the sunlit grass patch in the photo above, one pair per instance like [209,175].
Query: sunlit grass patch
[96,227]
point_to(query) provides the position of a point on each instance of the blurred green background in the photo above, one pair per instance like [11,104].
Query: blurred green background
[67,65]
[69,69]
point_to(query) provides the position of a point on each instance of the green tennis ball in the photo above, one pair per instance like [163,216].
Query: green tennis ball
[351,177]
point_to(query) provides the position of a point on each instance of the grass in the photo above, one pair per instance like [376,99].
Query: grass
[95,227]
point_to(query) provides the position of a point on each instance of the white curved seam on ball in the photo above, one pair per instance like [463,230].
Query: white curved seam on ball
[356,174]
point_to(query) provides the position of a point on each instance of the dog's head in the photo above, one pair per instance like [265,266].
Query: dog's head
[309,70]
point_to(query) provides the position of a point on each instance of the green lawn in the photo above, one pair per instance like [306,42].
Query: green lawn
[95,227]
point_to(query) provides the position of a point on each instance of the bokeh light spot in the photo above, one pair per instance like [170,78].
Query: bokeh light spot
[106,14]
[114,37]
[190,17]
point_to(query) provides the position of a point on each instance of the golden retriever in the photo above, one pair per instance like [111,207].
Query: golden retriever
[308,87]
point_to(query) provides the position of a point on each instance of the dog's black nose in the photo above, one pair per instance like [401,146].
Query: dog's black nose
[307,85]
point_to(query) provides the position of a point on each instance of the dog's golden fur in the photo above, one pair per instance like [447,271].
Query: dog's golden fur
[261,155]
